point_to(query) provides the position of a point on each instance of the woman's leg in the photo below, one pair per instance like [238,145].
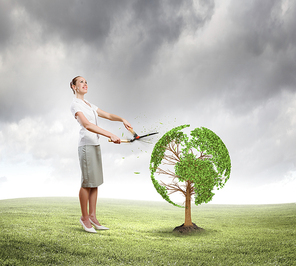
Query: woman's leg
[84,194]
[93,195]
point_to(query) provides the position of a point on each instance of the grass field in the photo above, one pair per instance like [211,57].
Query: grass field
[46,231]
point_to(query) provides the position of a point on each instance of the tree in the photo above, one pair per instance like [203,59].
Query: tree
[200,164]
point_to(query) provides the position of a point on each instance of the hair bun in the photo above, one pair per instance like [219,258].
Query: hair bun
[73,82]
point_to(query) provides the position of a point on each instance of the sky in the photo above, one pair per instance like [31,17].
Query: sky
[227,65]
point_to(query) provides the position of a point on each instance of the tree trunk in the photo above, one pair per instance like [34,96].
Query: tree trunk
[188,221]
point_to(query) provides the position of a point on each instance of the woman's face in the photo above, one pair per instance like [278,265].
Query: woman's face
[81,85]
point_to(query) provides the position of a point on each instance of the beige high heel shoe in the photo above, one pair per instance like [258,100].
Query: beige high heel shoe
[98,227]
[89,230]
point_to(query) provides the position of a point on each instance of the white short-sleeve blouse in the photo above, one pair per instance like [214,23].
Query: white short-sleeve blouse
[90,112]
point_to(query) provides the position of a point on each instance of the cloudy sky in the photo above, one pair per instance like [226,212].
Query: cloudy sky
[226,65]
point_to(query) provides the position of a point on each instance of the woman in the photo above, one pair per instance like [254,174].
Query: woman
[89,151]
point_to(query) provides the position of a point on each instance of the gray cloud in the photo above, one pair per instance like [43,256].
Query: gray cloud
[77,21]
[85,35]
[263,49]
[5,25]
[249,63]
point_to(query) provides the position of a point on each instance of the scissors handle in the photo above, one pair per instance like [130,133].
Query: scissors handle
[134,133]
[122,140]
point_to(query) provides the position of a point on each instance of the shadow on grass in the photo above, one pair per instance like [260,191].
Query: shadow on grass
[168,232]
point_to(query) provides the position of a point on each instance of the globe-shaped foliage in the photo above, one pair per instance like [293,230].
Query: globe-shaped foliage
[204,161]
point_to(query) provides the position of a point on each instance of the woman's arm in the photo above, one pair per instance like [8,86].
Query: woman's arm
[95,129]
[113,117]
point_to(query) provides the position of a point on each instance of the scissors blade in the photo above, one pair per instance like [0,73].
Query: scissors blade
[147,135]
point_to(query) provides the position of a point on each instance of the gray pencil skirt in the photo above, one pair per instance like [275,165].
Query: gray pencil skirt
[91,165]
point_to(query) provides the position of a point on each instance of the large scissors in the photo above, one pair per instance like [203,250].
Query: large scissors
[135,136]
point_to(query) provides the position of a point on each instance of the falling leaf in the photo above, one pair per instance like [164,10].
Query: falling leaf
[136,173]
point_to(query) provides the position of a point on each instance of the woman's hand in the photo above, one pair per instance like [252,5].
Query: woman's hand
[127,124]
[115,139]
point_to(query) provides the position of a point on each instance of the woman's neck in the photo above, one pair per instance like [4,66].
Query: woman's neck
[79,96]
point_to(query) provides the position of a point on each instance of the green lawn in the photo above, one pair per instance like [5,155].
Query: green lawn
[46,231]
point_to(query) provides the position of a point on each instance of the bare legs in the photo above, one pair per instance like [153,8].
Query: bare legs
[88,196]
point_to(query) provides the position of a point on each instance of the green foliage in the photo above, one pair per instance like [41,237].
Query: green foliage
[159,149]
[185,169]
[159,152]
[204,161]
[207,142]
